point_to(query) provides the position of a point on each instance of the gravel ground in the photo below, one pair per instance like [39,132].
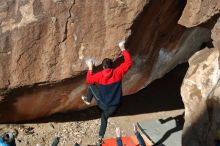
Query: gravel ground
[82,132]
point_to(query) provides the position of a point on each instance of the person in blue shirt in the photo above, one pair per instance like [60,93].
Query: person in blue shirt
[3,142]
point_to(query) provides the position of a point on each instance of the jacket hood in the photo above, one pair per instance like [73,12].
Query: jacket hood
[107,73]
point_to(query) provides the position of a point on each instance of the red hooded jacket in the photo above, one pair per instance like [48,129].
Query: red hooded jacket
[109,81]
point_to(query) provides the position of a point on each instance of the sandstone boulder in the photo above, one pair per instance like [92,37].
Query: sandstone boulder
[47,41]
[201,97]
[216,34]
[199,11]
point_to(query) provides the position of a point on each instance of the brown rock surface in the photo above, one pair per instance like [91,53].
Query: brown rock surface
[199,11]
[50,40]
[43,47]
[201,97]
[216,34]
[45,42]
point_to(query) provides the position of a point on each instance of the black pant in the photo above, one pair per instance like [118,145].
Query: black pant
[106,111]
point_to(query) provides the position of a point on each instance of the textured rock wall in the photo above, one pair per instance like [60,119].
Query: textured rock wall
[201,96]
[216,34]
[199,11]
[44,41]
[201,87]
[44,44]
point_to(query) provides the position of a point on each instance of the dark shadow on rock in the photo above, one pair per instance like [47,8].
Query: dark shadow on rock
[161,95]
[201,131]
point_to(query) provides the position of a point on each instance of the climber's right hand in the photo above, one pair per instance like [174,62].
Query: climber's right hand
[122,45]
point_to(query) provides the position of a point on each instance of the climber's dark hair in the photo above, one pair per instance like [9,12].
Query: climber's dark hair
[107,63]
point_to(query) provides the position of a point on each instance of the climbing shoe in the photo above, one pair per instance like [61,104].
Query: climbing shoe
[84,98]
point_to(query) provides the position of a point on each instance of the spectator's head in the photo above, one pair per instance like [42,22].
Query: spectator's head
[9,137]
[6,138]
[107,63]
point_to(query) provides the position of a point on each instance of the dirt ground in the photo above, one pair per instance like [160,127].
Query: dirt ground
[83,132]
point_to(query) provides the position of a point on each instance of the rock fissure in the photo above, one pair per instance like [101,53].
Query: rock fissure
[65,33]
[67,21]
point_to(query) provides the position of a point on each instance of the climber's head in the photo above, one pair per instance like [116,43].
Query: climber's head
[107,63]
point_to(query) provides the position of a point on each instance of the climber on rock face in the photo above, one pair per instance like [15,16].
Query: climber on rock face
[106,87]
